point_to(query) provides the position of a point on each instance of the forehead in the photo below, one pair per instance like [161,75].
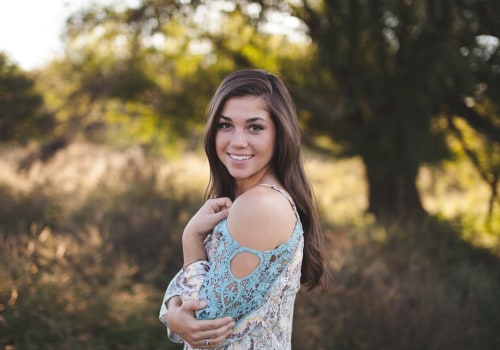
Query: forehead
[245,107]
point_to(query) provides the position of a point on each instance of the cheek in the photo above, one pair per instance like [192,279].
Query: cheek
[271,144]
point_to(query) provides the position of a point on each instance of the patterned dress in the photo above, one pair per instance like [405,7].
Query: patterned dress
[260,303]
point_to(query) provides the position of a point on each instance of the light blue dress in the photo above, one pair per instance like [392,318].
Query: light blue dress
[260,303]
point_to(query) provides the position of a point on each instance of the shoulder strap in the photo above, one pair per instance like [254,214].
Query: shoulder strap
[287,196]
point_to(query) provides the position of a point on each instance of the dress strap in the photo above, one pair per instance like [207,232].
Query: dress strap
[287,196]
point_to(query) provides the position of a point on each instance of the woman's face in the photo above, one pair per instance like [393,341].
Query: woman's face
[245,140]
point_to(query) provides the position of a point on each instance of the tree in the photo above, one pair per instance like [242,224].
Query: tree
[22,114]
[383,74]
[378,77]
[156,63]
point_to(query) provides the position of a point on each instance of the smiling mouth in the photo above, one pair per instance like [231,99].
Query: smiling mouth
[239,157]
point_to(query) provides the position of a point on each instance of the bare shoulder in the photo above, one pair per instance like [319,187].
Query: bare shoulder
[261,218]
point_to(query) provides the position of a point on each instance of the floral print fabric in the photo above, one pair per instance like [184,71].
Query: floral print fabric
[263,316]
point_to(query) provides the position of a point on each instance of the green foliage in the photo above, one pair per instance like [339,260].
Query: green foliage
[456,191]
[22,116]
[145,74]
[381,73]
[483,153]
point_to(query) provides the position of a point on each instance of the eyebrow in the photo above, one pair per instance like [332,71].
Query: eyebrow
[250,120]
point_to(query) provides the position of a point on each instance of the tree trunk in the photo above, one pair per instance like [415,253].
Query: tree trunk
[392,194]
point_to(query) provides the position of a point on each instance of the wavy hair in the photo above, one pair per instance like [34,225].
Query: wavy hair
[286,161]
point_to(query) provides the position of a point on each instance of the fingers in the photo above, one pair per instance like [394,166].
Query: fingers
[221,215]
[195,332]
[220,207]
[219,204]
[227,202]
[216,331]
[208,343]
[212,333]
[213,211]
[193,305]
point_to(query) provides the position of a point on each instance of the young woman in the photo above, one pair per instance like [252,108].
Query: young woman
[257,238]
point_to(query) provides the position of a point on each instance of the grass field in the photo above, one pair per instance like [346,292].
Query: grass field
[90,239]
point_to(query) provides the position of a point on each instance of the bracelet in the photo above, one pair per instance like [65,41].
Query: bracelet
[189,263]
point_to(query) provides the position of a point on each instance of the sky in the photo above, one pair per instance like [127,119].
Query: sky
[30,30]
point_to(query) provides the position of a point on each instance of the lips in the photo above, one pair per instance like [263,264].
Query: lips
[239,157]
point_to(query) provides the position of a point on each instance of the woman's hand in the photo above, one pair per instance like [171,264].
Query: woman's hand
[213,211]
[202,223]
[202,334]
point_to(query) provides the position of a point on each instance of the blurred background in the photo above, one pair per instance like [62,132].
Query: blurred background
[101,163]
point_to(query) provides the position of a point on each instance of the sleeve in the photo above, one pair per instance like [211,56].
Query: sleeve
[186,284]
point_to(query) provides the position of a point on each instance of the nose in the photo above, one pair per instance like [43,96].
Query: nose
[239,140]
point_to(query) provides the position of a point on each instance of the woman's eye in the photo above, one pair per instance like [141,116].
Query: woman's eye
[256,128]
[224,125]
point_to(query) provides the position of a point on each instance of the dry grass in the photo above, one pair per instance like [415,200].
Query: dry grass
[89,240]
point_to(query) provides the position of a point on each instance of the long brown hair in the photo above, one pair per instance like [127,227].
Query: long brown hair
[287,159]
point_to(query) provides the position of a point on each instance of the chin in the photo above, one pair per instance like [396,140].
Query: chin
[239,176]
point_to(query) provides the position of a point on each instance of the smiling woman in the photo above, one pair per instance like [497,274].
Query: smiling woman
[257,237]
[245,141]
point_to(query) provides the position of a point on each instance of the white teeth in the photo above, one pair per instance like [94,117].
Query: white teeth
[236,157]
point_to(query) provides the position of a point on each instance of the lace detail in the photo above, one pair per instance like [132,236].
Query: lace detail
[227,295]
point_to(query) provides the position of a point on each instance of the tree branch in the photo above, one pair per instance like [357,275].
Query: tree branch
[476,121]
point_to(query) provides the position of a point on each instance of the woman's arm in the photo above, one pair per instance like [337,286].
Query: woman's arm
[202,223]
[179,319]
[180,300]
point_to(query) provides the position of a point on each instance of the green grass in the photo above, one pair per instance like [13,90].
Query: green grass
[89,241]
